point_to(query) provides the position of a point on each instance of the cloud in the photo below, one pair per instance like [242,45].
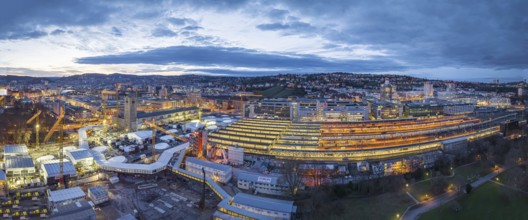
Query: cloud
[181,21]
[422,34]
[231,57]
[20,19]
[28,72]
[278,14]
[116,32]
[57,32]
[163,32]
[23,35]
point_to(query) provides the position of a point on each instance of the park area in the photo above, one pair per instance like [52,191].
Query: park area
[428,188]
[490,201]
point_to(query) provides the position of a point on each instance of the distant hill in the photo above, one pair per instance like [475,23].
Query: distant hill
[281,92]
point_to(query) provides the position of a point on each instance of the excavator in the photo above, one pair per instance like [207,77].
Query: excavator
[195,141]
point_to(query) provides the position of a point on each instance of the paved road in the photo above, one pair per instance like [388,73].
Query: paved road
[415,211]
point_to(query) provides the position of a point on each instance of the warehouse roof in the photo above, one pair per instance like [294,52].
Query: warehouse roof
[16,149]
[52,168]
[18,162]
[77,210]
[80,154]
[98,191]
[164,112]
[265,203]
[66,194]
[217,166]
[261,178]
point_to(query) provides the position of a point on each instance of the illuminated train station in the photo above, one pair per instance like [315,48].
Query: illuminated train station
[371,141]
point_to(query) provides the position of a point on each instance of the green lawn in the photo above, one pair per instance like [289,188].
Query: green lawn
[462,175]
[489,201]
[387,206]
[473,171]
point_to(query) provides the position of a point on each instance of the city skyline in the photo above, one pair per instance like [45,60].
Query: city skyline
[461,41]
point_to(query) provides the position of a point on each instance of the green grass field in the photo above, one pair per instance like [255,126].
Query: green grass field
[385,206]
[490,201]
[462,175]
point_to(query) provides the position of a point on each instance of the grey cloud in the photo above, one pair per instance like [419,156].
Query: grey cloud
[116,32]
[163,32]
[482,34]
[20,19]
[239,57]
[58,32]
[181,21]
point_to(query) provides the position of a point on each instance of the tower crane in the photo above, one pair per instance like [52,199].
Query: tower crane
[245,95]
[56,125]
[104,97]
[37,126]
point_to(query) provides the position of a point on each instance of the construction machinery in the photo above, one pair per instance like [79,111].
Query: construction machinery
[37,126]
[193,142]
[104,97]
[56,125]
[241,95]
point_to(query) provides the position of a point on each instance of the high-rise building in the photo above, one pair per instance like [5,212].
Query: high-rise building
[450,87]
[428,90]
[386,91]
[130,113]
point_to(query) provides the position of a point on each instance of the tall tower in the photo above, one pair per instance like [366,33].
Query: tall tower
[130,115]
[386,91]
[428,90]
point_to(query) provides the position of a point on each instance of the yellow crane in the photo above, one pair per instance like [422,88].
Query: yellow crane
[37,126]
[245,95]
[104,97]
[56,125]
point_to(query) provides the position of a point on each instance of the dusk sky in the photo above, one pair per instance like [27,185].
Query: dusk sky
[449,39]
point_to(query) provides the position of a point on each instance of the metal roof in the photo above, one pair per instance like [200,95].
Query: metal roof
[80,154]
[15,149]
[260,178]
[52,168]
[66,194]
[164,112]
[19,162]
[217,166]
[225,205]
[98,191]
[454,140]
[127,217]
[77,210]
[264,203]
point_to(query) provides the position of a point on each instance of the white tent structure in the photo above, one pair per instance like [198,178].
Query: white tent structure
[161,146]
[139,136]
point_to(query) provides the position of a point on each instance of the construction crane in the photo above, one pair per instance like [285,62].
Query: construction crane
[61,154]
[192,141]
[37,126]
[104,97]
[245,95]
[56,125]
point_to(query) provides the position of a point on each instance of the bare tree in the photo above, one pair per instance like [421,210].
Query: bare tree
[293,175]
